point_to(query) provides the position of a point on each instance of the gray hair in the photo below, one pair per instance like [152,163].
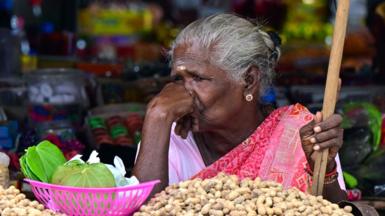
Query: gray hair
[235,45]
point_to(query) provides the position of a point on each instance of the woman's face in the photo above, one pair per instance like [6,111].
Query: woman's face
[217,97]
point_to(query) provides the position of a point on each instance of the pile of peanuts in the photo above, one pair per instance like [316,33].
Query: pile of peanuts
[14,203]
[227,195]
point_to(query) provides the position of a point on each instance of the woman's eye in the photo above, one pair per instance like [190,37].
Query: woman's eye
[197,78]
[178,78]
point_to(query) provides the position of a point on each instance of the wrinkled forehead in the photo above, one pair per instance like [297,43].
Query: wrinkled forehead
[191,55]
[197,59]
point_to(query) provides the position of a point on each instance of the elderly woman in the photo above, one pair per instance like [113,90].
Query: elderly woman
[210,119]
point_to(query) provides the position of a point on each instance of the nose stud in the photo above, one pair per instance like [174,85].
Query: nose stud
[181,68]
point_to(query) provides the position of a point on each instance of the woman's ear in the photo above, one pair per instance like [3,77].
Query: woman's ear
[251,80]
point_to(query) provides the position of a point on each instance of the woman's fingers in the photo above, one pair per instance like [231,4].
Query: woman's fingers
[322,134]
[307,133]
[174,100]
[307,130]
[186,127]
[183,126]
[326,135]
[333,152]
[328,144]
[178,128]
[332,122]
[318,117]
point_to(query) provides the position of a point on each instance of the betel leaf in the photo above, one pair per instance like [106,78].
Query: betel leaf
[35,164]
[84,175]
[51,156]
[25,169]
[39,162]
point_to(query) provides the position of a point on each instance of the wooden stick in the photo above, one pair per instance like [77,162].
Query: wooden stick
[331,88]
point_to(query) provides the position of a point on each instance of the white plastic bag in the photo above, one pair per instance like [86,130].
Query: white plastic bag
[118,170]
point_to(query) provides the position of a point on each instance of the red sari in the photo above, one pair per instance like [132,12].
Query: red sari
[272,152]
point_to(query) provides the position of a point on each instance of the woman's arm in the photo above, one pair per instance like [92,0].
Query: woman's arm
[333,191]
[172,103]
[152,160]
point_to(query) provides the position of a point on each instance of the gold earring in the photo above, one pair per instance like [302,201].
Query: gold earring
[249,97]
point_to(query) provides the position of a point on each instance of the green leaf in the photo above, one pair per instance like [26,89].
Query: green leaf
[23,166]
[84,175]
[35,164]
[40,162]
[25,169]
[51,156]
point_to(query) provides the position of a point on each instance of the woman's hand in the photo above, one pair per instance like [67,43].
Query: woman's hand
[173,103]
[170,105]
[319,135]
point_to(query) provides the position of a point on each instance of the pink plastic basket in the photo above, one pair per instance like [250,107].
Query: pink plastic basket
[75,201]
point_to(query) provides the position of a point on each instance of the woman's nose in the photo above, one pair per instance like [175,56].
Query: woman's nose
[188,85]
